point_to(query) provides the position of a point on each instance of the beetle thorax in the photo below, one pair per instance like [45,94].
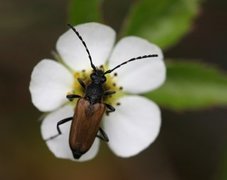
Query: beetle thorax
[94,91]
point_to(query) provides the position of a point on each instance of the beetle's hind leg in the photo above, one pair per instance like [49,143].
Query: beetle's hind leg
[103,136]
[63,121]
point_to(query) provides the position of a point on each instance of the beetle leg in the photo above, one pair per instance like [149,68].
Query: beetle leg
[81,83]
[110,108]
[70,97]
[108,93]
[58,128]
[103,136]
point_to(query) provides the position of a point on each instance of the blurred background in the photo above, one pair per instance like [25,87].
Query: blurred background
[192,145]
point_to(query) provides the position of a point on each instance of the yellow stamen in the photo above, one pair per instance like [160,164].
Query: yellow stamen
[109,85]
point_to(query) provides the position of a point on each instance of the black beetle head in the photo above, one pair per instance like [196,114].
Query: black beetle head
[98,77]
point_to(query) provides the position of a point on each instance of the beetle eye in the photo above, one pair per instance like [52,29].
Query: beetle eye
[92,76]
[103,79]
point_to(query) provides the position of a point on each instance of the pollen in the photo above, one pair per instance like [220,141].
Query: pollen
[109,85]
[83,75]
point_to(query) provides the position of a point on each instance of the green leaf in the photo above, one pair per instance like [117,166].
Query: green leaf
[163,22]
[190,85]
[81,11]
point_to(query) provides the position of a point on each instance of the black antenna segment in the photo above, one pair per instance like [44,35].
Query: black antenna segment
[132,59]
[81,39]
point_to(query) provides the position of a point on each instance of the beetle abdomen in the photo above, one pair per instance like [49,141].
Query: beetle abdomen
[85,126]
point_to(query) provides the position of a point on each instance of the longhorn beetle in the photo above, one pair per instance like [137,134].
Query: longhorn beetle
[90,108]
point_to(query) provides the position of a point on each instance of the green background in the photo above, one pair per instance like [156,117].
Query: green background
[191,145]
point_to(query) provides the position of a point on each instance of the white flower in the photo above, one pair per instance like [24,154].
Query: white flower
[136,122]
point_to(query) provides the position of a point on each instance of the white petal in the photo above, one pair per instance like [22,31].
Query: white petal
[59,146]
[133,126]
[99,39]
[50,82]
[142,75]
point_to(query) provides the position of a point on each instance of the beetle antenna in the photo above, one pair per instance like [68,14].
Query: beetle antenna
[132,59]
[81,39]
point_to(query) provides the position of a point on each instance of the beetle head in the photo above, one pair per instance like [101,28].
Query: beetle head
[98,77]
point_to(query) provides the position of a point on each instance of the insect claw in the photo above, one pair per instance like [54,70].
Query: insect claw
[52,137]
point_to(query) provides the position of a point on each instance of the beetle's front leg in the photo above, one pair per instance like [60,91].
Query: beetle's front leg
[81,83]
[109,92]
[70,97]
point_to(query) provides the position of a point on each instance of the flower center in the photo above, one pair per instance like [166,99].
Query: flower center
[109,85]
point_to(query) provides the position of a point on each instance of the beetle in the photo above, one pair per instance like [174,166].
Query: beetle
[90,108]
